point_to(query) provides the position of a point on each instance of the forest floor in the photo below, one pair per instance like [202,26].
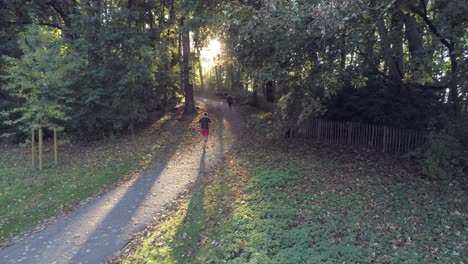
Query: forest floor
[281,201]
[90,231]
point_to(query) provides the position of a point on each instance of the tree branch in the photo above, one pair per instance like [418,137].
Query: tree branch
[424,5]
[433,87]
[30,23]
[432,27]
[60,11]
[374,69]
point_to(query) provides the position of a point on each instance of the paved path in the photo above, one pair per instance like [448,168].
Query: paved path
[95,231]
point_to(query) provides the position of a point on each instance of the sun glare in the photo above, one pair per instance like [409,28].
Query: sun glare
[209,53]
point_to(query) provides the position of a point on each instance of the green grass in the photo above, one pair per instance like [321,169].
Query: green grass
[28,199]
[29,196]
[258,208]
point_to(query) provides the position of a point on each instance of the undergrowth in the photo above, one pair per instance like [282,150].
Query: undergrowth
[271,203]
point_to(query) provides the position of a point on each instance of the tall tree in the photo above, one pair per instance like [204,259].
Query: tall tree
[188,87]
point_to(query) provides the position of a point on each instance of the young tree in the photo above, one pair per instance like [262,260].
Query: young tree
[41,79]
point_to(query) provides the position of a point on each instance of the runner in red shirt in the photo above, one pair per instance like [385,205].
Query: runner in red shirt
[229,100]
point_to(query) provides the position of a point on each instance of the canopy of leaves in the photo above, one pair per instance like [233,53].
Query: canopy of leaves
[364,53]
[93,68]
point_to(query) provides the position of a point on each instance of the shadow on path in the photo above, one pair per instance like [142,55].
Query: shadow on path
[95,231]
[134,209]
[226,129]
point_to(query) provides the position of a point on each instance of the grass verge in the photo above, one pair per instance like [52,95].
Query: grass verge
[29,197]
[273,202]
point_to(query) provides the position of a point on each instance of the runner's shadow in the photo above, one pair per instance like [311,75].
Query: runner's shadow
[119,223]
[188,234]
[196,214]
[202,168]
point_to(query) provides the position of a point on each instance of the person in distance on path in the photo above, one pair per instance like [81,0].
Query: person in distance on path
[204,126]
[230,100]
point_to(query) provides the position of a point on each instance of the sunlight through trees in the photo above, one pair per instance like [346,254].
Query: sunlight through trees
[210,53]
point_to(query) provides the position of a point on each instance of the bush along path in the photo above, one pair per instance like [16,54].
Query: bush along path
[95,231]
[273,201]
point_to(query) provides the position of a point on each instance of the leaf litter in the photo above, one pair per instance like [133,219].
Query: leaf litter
[292,202]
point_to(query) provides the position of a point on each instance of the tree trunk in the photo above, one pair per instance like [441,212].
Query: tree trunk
[238,78]
[414,37]
[200,70]
[368,53]
[172,13]
[453,84]
[40,148]
[178,61]
[343,50]
[217,78]
[318,90]
[384,41]
[390,61]
[188,87]
[413,34]
[396,38]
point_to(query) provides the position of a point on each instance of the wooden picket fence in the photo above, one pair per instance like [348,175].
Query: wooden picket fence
[377,137]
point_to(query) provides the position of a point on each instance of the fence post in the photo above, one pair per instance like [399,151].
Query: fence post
[400,140]
[33,148]
[384,149]
[40,148]
[350,129]
[373,136]
[55,147]
[319,129]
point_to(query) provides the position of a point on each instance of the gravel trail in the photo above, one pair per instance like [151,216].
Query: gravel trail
[93,232]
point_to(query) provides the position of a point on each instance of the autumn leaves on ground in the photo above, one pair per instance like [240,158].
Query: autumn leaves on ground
[28,197]
[277,201]
[268,201]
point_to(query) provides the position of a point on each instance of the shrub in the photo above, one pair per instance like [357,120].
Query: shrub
[444,155]
[266,124]
[439,156]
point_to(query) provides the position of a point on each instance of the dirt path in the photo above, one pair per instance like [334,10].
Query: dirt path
[95,231]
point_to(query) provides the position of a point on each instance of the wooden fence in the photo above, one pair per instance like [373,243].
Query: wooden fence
[383,138]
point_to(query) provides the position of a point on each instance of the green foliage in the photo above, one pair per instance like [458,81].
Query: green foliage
[296,110]
[107,69]
[380,103]
[41,79]
[439,155]
[444,155]
[317,51]
[266,124]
